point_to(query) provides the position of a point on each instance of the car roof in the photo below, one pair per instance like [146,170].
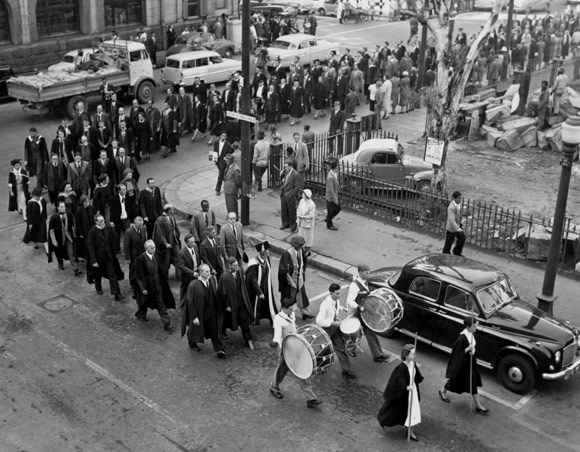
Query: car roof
[295,37]
[131,45]
[377,144]
[194,54]
[454,269]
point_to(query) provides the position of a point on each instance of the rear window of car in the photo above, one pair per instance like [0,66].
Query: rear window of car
[425,287]
[174,64]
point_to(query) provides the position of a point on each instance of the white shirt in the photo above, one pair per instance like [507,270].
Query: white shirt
[283,326]
[328,312]
[353,291]
[123,210]
[150,256]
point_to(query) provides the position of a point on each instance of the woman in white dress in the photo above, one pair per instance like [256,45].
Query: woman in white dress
[306,214]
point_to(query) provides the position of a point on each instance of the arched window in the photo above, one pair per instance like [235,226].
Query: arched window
[4,24]
[57,17]
[123,12]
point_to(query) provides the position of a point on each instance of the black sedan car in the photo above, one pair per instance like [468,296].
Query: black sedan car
[518,341]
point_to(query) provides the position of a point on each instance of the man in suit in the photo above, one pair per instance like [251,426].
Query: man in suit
[272,106]
[79,176]
[300,155]
[101,115]
[153,290]
[104,137]
[290,192]
[184,111]
[201,220]
[342,82]
[122,162]
[133,246]
[166,238]
[121,213]
[101,257]
[337,119]
[53,177]
[229,98]
[188,259]
[62,147]
[232,184]
[61,233]
[232,238]
[103,165]
[331,195]
[291,275]
[125,139]
[113,111]
[150,205]
[212,253]
[151,45]
[199,90]
[221,148]
[233,295]
[154,121]
[134,112]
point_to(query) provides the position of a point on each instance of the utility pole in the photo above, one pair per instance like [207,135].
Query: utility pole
[245,110]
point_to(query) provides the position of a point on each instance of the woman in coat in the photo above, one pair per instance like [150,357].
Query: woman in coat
[405,92]
[306,215]
[463,365]
[402,388]
[296,103]
[320,96]
[199,118]
[18,181]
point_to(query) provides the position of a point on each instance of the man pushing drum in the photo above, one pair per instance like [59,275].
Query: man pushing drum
[327,318]
[357,292]
[284,325]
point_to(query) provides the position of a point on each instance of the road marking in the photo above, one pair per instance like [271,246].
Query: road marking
[116,381]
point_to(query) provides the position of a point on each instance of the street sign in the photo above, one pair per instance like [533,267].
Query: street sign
[434,151]
[233,114]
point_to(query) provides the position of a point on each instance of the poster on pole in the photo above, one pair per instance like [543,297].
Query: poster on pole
[434,151]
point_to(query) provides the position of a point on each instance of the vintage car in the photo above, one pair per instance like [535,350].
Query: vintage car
[302,6]
[201,41]
[326,7]
[307,47]
[182,68]
[516,340]
[271,8]
[67,63]
[384,159]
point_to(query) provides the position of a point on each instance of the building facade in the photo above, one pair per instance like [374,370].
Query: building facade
[36,33]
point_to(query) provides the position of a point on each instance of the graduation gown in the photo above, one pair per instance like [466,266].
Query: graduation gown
[458,369]
[141,279]
[13,200]
[35,222]
[209,315]
[395,406]
[259,282]
[229,288]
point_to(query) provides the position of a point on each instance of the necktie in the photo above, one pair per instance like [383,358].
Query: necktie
[78,165]
[122,200]
[206,219]
[235,233]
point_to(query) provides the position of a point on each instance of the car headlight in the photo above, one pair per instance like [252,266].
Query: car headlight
[557,356]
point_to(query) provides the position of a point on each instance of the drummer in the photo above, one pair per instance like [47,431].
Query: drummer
[285,324]
[357,292]
[327,318]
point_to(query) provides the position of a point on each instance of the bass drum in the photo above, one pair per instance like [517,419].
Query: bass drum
[308,352]
[383,310]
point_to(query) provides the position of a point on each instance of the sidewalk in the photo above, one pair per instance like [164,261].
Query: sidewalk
[360,238]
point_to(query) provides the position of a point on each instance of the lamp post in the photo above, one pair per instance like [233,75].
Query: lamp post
[570,142]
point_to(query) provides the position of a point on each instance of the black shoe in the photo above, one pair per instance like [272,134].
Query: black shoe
[332,228]
[168,328]
[99,291]
[349,374]
[143,319]
[119,297]
[381,359]
[443,397]
[195,347]
[481,410]
[221,354]
[284,227]
[294,229]
[276,393]
[78,273]
[60,267]
[313,403]
[307,316]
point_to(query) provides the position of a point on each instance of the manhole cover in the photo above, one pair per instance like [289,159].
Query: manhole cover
[57,304]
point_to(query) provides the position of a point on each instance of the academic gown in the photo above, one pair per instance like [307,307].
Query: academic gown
[228,291]
[458,369]
[139,276]
[194,308]
[396,395]
[259,282]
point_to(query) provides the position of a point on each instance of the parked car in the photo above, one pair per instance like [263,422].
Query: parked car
[182,68]
[269,8]
[384,158]
[5,73]
[202,41]
[67,64]
[516,340]
[302,6]
[307,47]
[325,7]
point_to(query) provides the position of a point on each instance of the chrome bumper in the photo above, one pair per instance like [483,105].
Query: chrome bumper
[564,373]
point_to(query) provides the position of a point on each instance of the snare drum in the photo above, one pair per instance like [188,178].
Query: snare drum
[308,352]
[383,310]
[351,330]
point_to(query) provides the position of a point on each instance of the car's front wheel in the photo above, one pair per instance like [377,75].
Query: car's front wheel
[517,374]
[229,53]
[321,12]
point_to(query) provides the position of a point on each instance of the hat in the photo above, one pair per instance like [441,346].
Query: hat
[307,192]
[297,240]
[168,206]
[37,191]
[405,73]
[560,70]
[14,162]
[262,246]
[261,135]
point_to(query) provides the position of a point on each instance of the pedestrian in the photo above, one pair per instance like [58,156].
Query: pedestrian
[221,148]
[69,197]
[122,213]
[308,138]
[336,126]
[199,118]
[380,103]
[401,405]
[150,205]
[153,291]
[184,111]
[290,191]
[462,371]
[320,97]
[285,324]
[260,160]
[121,164]
[216,118]
[350,103]
[104,166]
[232,184]
[101,258]
[544,107]
[18,182]
[357,292]
[558,89]
[291,275]
[327,318]
[151,45]
[102,198]
[405,92]
[300,154]
[171,36]
[53,177]
[296,108]
[234,299]
[167,239]
[453,226]
[79,175]
[306,215]
[169,130]
[232,239]
[331,194]
[133,246]
[188,260]
[62,238]
[35,153]
[259,282]
[201,221]
[143,137]
[84,221]
[36,215]
[212,253]
[154,122]
[202,312]
[272,106]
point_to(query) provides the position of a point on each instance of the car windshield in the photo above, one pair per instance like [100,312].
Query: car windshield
[172,63]
[394,278]
[498,294]
[280,45]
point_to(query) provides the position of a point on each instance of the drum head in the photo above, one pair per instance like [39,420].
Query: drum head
[378,314]
[350,325]
[297,355]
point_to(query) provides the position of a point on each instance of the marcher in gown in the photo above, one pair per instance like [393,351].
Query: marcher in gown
[402,388]
[18,181]
[36,215]
[260,288]
[458,372]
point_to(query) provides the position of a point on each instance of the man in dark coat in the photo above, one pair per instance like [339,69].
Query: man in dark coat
[133,246]
[142,136]
[202,312]
[167,239]
[154,122]
[84,221]
[53,177]
[35,153]
[122,213]
[122,162]
[79,176]
[151,45]
[292,275]
[150,205]
[61,146]
[102,259]
[235,301]
[211,252]
[221,148]
[36,214]
[153,291]
[259,283]
[337,119]
[188,259]
[104,165]
[232,238]
[290,191]
[61,231]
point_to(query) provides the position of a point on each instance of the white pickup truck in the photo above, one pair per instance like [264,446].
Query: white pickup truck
[307,47]
[124,64]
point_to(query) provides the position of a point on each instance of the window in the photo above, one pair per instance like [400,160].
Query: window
[192,8]
[392,158]
[303,45]
[135,55]
[57,17]
[461,299]
[174,64]
[379,158]
[123,12]
[4,24]
[426,288]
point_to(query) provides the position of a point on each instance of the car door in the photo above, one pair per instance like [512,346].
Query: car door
[387,165]
[420,308]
